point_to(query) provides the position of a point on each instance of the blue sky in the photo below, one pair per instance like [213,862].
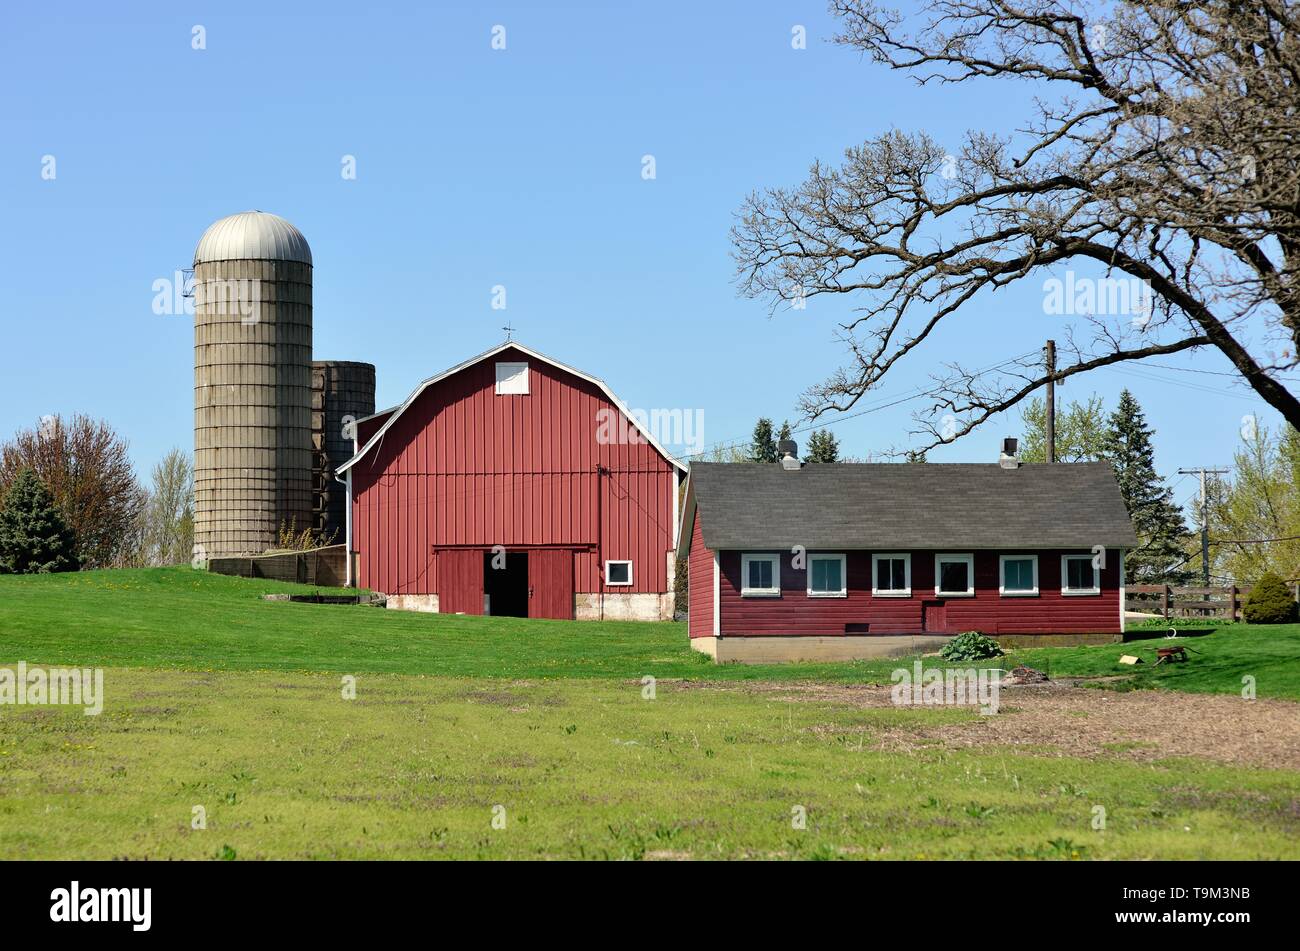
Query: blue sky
[475,167]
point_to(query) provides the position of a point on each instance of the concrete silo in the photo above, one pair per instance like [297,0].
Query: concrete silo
[252,384]
[340,389]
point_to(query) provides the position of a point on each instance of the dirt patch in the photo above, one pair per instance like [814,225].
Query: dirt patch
[1069,721]
[495,698]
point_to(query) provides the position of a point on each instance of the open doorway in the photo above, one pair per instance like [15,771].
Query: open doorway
[506,585]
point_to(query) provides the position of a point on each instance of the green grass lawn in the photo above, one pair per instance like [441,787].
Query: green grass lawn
[1217,663]
[177,617]
[415,767]
[219,700]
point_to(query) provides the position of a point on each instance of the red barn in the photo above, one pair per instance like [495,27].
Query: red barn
[514,485]
[792,561]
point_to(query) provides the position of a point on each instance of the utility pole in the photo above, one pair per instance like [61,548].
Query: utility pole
[1205,518]
[1049,353]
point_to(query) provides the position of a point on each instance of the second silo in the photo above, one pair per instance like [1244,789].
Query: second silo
[252,384]
[342,391]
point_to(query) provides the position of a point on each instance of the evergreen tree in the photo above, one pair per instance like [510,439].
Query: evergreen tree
[1156,519]
[823,447]
[812,451]
[785,432]
[33,536]
[1269,602]
[762,447]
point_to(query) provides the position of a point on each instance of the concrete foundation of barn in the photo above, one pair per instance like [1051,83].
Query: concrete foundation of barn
[427,603]
[623,607]
[586,607]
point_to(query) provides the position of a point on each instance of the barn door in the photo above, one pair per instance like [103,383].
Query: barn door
[550,583]
[460,580]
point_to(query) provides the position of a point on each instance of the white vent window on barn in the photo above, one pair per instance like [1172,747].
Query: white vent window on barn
[618,572]
[512,379]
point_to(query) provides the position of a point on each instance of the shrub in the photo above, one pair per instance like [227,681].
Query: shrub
[971,646]
[34,539]
[290,539]
[681,587]
[1269,602]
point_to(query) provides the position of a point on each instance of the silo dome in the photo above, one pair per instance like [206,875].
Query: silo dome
[252,236]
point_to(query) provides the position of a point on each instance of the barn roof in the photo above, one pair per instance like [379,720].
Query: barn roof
[882,506]
[395,412]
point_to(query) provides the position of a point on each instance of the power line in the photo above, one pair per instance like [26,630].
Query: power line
[872,408]
[1166,366]
[1164,381]
[1255,541]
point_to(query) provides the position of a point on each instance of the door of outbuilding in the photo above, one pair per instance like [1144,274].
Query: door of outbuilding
[934,617]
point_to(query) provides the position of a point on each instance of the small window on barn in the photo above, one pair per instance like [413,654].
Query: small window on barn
[760,576]
[826,576]
[1019,575]
[512,379]
[891,576]
[954,575]
[618,572]
[1079,575]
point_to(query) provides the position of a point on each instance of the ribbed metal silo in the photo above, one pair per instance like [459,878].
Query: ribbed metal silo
[252,384]
[339,389]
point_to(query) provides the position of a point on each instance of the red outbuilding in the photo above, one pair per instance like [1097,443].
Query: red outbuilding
[514,485]
[835,561]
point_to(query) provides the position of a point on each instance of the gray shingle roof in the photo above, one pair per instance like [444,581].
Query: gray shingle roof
[886,506]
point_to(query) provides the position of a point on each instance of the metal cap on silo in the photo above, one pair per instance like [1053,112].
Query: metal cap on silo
[252,383]
[252,236]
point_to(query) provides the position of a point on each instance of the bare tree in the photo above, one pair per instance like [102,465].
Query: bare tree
[169,514]
[1163,151]
[85,466]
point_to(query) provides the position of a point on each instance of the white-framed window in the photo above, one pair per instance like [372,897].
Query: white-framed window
[618,572]
[826,576]
[1018,576]
[891,575]
[954,576]
[1079,575]
[760,576]
[512,379]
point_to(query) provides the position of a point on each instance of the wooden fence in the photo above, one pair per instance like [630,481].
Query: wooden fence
[1186,602]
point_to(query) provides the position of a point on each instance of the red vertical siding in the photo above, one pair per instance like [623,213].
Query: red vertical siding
[1050,612]
[699,578]
[464,466]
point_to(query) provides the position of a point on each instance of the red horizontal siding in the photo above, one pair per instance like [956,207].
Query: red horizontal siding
[466,467]
[699,578]
[794,613]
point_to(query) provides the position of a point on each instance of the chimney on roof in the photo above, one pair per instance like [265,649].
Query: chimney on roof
[788,450]
[1008,459]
